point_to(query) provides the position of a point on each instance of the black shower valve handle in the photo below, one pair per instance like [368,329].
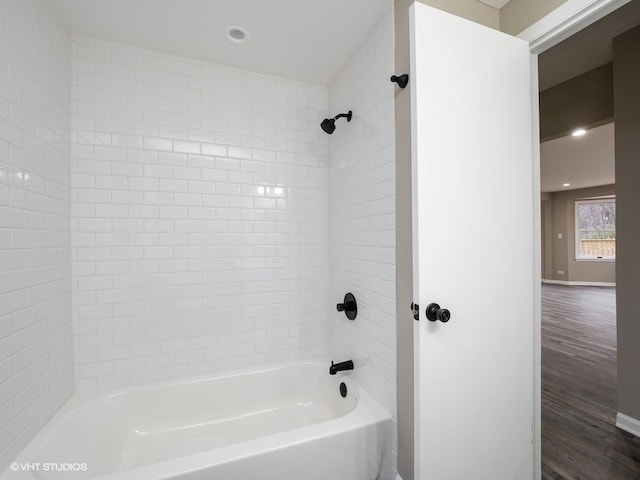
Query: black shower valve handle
[348,306]
[344,307]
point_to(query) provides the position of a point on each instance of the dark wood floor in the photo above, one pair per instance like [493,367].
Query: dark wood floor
[579,437]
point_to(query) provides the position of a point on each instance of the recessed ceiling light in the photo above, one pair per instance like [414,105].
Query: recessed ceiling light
[579,132]
[566,184]
[236,34]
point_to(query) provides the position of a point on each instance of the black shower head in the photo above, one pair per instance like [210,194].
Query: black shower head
[329,124]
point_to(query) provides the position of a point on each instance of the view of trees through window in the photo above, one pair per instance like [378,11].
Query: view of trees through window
[596,229]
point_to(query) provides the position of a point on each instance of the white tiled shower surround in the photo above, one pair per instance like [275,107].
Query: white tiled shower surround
[362,216]
[199,222]
[200,235]
[36,360]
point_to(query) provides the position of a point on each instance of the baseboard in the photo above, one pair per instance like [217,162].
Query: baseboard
[580,284]
[628,424]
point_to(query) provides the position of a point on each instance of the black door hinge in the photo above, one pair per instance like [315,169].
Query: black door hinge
[415,308]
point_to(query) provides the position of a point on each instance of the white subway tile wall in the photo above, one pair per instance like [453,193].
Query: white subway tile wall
[200,217]
[36,355]
[190,232]
[362,213]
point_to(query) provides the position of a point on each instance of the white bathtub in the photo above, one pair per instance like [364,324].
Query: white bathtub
[285,422]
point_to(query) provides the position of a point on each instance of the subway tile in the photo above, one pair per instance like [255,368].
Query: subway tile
[94,225]
[36,207]
[201,187]
[361,213]
[173,185]
[184,146]
[158,171]
[210,237]
[157,144]
[138,184]
[187,173]
[214,150]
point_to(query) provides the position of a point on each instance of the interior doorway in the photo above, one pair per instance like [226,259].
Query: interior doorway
[579,437]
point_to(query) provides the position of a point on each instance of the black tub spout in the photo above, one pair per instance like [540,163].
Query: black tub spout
[339,367]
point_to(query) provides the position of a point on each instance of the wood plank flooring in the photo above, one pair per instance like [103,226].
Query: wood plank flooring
[579,437]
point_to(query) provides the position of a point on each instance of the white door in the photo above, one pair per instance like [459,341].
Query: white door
[474,249]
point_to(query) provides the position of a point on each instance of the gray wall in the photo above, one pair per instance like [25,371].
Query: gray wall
[546,217]
[470,9]
[517,15]
[626,68]
[404,269]
[561,254]
[583,101]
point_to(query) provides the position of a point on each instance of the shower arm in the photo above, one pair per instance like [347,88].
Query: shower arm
[344,115]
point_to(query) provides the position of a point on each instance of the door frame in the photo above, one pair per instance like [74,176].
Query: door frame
[563,22]
[566,20]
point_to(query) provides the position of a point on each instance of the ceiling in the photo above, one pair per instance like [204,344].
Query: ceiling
[586,161]
[495,3]
[302,40]
[587,49]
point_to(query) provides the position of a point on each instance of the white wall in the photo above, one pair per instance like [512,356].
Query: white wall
[199,220]
[362,213]
[36,364]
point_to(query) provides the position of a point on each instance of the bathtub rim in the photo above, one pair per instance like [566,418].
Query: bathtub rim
[83,397]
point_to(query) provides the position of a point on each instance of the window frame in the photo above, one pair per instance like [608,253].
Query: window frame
[576,230]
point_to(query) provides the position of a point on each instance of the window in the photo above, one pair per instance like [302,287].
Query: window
[596,229]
